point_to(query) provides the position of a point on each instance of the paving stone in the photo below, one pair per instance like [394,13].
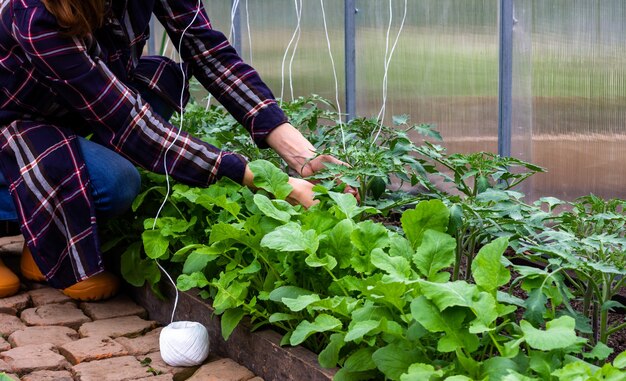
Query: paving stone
[92,348]
[156,362]
[124,368]
[160,377]
[55,335]
[10,324]
[128,326]
[142,345]
[66,314]
[14,304]
[119,306]
[48,295]
[222,370]
[11,245]
[4,366]
[49,375]
[31,358]
[4,345]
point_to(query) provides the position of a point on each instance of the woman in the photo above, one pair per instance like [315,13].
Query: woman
[71,68]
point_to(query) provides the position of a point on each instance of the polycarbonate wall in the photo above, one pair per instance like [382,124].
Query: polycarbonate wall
[568,74]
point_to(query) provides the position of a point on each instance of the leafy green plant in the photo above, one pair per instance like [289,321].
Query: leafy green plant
[377,156]
[479,188]
[587,247]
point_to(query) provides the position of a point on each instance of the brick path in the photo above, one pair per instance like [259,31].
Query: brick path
[46,336]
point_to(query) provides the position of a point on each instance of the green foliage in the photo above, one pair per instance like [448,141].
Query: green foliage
[379,302]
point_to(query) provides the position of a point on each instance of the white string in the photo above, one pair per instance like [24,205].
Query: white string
[249,32]
[296,33]
[295,47]
[330,52]
[388,55]
[182,113]
[233,13]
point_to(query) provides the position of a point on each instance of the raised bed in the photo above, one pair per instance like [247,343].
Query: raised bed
[258,351]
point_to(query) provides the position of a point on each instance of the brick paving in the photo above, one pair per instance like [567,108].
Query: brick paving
[46,336]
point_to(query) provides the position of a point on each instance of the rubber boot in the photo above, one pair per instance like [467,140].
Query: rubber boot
[9,282]
[29,268]
[98,287]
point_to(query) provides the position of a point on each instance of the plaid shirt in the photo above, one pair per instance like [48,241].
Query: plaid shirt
[53,87]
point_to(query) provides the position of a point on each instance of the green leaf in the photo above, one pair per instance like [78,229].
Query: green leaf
[301,302]
[337,242]
[197,261]
[421,372]
[222,232]
[290,237]
[444,295]
[535,306]
[394,360]
[620,361]
[231,293]
[291,292]
[154,244]
[436,252]
[276,209]
[186,282]
[398,268]
[322,323]
[574,371]
[487,270]
[346,204]
[136,270]
[427,215]
[359,329]
[270,178]
[329,356]
[428,315]
[600,352]
[559,334]
[229,321]
[360,361]
[496,368]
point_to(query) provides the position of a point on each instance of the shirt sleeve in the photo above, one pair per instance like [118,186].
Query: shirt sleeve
[216,64]
[119,116]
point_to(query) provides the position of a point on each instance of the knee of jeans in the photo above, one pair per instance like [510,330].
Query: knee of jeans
[122,193]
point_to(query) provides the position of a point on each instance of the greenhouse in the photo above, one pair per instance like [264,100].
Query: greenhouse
[319,190]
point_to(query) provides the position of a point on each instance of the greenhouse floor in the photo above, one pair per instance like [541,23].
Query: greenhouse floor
[47,336]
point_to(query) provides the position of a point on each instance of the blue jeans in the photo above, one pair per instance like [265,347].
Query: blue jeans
[115,181]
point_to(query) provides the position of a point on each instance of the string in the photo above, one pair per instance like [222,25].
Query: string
[182,116]
[296,33]
[343,138]
[388,55]
[249,32]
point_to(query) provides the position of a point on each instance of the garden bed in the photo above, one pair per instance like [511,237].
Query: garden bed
[259,351]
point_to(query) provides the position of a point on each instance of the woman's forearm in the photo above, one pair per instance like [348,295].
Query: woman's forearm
[292,146]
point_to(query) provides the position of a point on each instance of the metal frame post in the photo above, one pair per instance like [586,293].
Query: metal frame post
[350,57]
[505,83]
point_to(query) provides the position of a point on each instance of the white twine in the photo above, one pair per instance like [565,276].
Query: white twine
[184,343]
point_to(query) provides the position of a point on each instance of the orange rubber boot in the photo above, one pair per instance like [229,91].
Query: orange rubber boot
[9,282]
[98,287]
[29,268]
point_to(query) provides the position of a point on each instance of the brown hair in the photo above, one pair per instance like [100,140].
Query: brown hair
[77,17]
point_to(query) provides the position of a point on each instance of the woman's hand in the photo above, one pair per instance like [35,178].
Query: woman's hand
[302,193]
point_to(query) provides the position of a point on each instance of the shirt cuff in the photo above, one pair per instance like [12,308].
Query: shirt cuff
[233,166]
[264,122]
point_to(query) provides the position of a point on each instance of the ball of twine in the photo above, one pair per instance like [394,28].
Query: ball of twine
[184,343]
